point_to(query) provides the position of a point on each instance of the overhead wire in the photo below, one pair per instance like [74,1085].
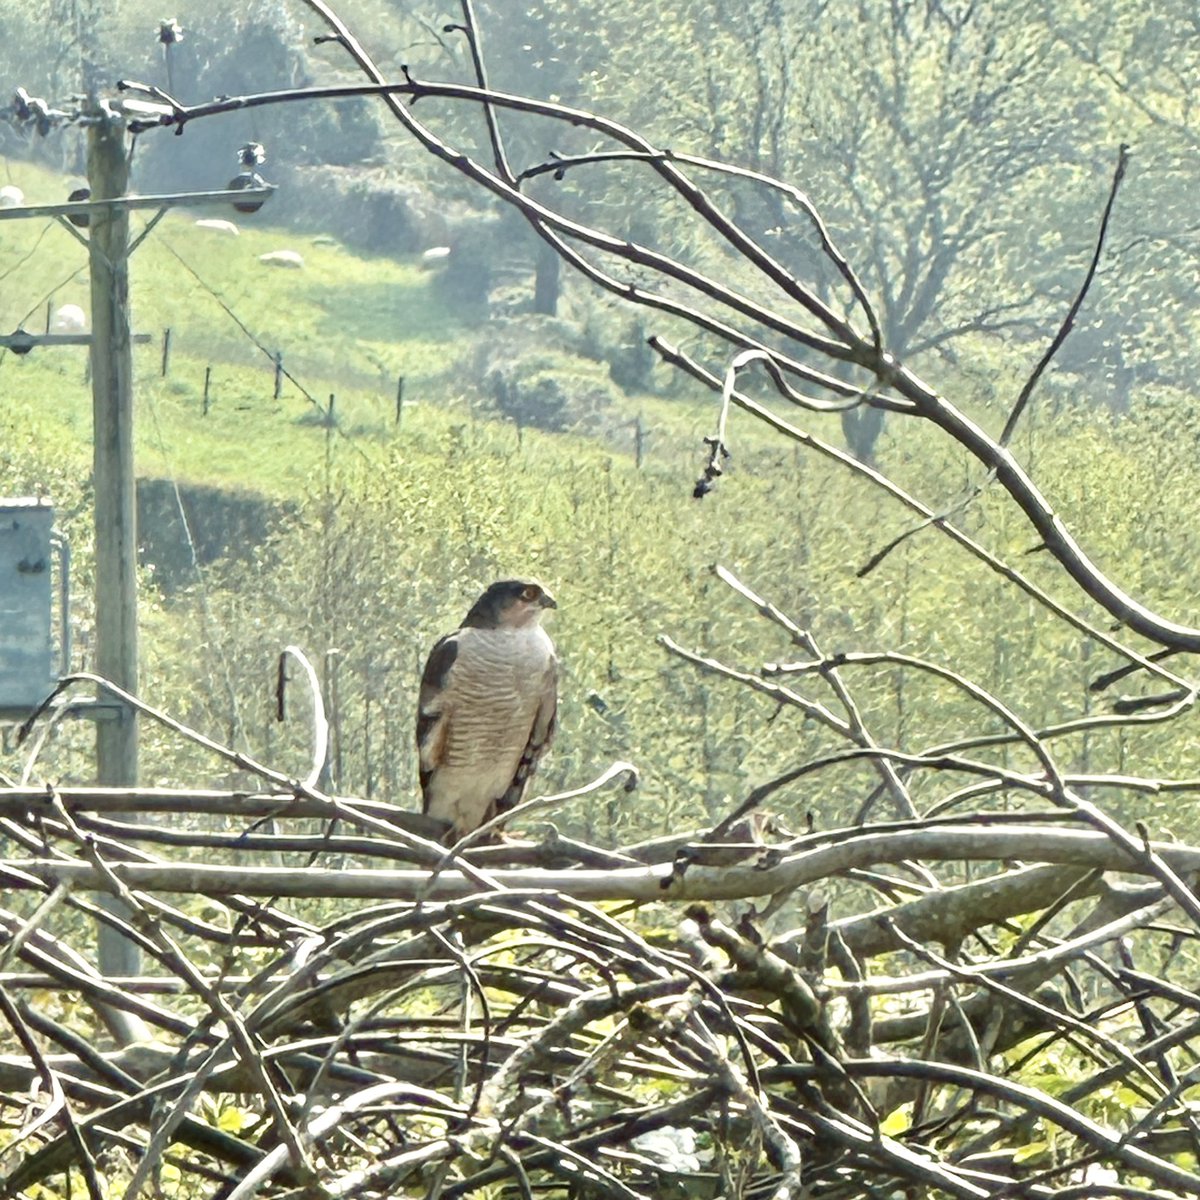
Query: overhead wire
[208,618]
[5,350]
[239,322]
[46,295]
[213,630]
[208,621]
[211,627]
[29,253]
[269,354]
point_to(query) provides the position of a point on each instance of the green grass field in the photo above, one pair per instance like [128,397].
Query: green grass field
[345,325]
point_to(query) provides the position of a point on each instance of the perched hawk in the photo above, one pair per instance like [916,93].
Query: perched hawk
[486,709]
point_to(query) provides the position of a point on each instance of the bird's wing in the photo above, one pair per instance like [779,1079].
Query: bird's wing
[540,734]
[433,713]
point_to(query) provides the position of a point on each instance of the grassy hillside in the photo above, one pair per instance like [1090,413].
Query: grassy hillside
[343,324]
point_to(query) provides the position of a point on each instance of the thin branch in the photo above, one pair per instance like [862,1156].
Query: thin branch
[1068,323]
[320,741]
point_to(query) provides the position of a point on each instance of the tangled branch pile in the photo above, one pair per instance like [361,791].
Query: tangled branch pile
[585,1022]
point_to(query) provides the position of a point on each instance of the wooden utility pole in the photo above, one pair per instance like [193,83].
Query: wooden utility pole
[116,507]
[105,213]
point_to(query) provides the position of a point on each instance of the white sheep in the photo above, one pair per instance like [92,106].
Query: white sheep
[68,318]
[282,258]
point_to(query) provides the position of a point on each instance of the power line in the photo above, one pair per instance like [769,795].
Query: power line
[208,621]
[46,296]
[241,324]
[58,286]
[267,353]
[29,253]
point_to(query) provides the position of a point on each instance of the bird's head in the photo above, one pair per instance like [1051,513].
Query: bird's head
[510,604]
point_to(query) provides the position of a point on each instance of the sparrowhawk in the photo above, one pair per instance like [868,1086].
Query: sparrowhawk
[486,709]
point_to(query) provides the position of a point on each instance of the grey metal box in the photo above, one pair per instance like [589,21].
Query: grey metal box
[27,666]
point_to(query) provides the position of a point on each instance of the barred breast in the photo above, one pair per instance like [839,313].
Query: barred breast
[496,689]
[491,700]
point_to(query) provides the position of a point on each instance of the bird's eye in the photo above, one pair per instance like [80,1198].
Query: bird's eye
[531,593]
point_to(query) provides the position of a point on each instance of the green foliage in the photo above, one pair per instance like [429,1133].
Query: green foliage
[551,391]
